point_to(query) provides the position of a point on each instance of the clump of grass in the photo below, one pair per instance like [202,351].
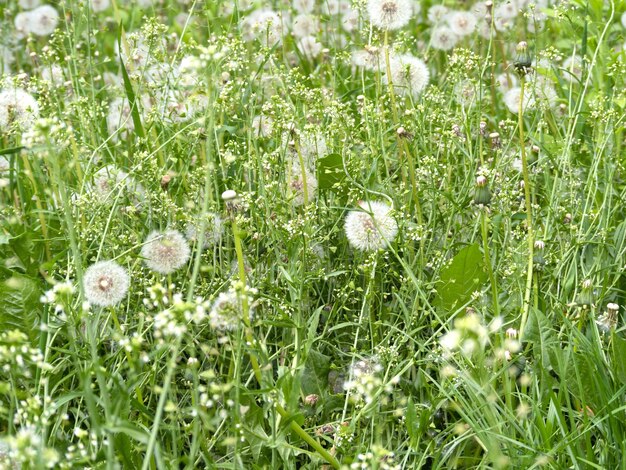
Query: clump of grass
[382,234]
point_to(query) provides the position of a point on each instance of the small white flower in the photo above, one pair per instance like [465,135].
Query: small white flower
[105,283]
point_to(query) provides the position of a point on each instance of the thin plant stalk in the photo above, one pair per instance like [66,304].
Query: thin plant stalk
[528,203]
[295,427]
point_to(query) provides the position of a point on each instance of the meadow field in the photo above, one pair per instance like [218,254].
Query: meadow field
[312,234]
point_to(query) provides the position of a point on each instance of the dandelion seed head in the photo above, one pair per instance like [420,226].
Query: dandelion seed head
[409,75]
[297,185]
[573,68]
[443,38]
[462,23]
[226,313]
[213,229]
[17,107]
[305,25]
[105,283]
[304,6]
[389,14]
[309,47]
[29,4]
[513,97]
[99,5]
[437,13]
[264,25]
[165,252]
[369,232]
[369,58]
[43,20]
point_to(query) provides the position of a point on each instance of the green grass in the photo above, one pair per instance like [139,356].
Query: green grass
[478,338]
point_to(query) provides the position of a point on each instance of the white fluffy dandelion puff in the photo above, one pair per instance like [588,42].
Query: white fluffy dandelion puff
[462,23]
[227,310]
[513,97]
[105,283]
[213,229]
[17,107]
[372,228]
[389,14]
[409,75]
[165,252]
[443,38]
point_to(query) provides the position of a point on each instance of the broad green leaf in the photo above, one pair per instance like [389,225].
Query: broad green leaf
[465,275]
[315,375]
[130,93]
[19,305]
[330,170]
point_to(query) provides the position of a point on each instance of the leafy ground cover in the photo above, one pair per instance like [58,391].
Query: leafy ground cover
[312,234]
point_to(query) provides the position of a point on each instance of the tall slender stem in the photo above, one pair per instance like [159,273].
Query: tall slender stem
[295,427]
[528,202]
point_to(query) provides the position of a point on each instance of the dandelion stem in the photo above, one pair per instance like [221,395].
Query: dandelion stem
[403,147]
[171,366]
[528,202]
[295,427]
[492,279]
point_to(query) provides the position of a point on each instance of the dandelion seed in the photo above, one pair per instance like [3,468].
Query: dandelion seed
[409,75]
[573,66]
[304,6]
[608,320]
[389,14]
[29,4]
[369,58]
[165,252]
[265,25]
[297,185]
[262,126]
[110,182]
[105,283]
[364,379]
[309,47]
[369,232]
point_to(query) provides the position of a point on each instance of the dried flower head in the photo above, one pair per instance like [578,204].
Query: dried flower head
[165,252]
[105,283]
